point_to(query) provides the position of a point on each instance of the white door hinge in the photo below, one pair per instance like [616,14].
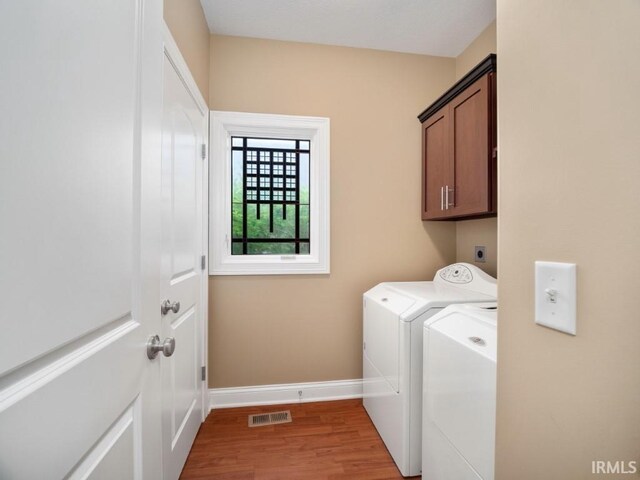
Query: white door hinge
[203,373]
[204,151]
[203,262]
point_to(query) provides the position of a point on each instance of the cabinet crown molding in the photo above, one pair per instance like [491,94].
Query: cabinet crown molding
[489,64]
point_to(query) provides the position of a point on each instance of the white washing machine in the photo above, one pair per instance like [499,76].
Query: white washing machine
[394,314]
[459,393]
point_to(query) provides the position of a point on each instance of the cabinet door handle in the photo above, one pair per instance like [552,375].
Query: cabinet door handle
[441,198]
[446,198]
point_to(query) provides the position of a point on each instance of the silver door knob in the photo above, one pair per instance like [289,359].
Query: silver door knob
[167,307]
[154,347]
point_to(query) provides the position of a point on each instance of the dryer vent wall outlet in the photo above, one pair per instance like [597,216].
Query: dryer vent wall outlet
[480,254]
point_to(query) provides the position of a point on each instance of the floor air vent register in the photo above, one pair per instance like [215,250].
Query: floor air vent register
[262,419]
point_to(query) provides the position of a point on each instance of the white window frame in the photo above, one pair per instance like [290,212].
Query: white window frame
[224,125]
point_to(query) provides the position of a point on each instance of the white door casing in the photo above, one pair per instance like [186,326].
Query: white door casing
[81,98]
[184,278]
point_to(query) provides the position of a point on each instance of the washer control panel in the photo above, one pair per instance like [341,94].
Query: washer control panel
[456,273]
[467,276]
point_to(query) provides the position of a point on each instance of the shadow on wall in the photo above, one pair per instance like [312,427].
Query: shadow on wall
[440,235]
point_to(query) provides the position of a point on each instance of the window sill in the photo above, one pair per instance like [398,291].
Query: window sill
[270,265]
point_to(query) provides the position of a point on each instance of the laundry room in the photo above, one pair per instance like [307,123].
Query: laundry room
[373,99]
[379,234]
[360,239]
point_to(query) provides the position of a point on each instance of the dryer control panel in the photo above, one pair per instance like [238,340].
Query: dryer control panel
[470,277]
[456,273]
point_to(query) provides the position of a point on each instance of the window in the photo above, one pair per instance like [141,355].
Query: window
[269,194]
[269,208]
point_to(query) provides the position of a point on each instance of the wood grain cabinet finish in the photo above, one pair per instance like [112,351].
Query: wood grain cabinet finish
[459,149]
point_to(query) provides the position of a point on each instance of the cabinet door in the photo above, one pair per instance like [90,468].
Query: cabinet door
[470,134]
[436,166]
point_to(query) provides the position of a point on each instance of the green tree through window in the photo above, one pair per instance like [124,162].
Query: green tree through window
[270,196]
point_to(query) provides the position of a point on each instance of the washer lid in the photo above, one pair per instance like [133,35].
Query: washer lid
[428,295]
[460,382]
[471,326]
[391,299]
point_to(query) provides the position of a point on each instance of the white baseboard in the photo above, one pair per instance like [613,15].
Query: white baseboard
[285,393]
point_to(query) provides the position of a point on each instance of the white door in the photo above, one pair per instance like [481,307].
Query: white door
[184,128]
[80,91]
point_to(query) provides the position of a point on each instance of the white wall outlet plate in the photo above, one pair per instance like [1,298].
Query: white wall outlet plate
[555,296]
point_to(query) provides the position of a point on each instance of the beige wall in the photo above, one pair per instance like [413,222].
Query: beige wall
[282,329]
[483,45]
[470,233]
[569,117]
[189,29]
[481,232]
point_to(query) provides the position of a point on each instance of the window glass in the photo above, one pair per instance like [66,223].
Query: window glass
[270,196]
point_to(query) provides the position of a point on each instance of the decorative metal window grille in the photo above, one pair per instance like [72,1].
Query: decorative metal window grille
[270,196]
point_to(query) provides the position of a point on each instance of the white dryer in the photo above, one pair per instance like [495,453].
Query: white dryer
[459,393]
[394,314]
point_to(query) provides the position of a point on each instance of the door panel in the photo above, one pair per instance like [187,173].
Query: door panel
[184,128]
[436,163]
[75,383]
[118,453]
[469,123]
[183,195]
[184,379]
[66,196]
[50,407]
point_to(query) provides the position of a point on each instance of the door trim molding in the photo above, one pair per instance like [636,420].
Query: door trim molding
[284,393]
[172,53]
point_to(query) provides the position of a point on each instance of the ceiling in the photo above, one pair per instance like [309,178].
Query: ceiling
[430,27]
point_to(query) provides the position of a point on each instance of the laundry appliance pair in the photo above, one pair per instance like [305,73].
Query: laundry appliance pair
[402,318]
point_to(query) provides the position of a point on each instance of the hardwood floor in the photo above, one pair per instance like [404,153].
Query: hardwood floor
[326,440]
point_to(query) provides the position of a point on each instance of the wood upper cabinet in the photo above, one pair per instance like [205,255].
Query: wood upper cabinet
[436,171]
[459,149]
